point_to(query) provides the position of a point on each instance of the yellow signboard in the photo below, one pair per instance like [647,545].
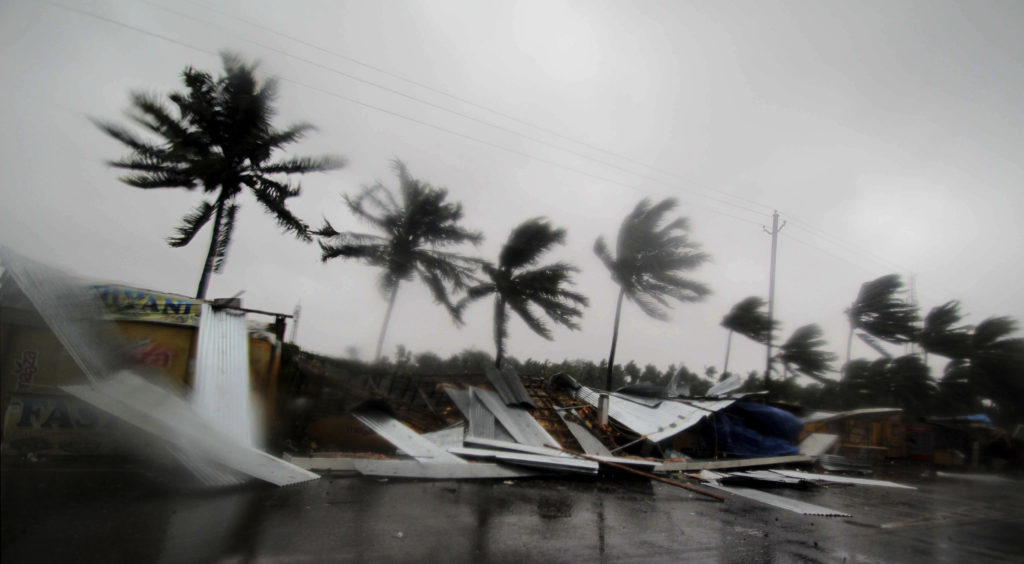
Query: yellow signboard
[132,304]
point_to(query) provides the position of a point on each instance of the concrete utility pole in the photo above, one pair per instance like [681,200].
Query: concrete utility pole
[771,300]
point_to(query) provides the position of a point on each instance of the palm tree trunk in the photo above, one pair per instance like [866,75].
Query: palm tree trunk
[728,346]
[499,331]
[211,255]
[615,339]
[384,326]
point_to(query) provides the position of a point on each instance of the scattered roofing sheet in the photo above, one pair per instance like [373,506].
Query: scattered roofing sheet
[591,444]
[158,411]
[781,502]
[508,385]
[407,440]
[449,437]
[817,444]
[763,476]
[438,471]
[727,463]
[840,479]
[655,423]
[730,384]
[517,421]
[557,463]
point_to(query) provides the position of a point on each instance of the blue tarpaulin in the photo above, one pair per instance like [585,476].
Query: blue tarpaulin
[753,430]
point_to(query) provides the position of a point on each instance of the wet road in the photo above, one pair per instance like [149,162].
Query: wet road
[102,515]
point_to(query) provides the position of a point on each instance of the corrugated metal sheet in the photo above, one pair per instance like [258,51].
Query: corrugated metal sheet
[841,479]
[558,463]
[591,444]
[656,423]
[221,393]
[517,421]
[74,314]
[508,385]
[158,411]
[782,502]
[407,440]
[452,436]
[438,471]
[817,444]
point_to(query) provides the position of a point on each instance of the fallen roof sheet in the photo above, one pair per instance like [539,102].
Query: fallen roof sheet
[732,383]
[407,440]
[817,444]
[781,502]
[823,416]
[438,471]
[655,423]
[448,437]
[158,411]
[517,421]
[767,476]
[591,444]
[508,385]
[726,463]
[545,451]
[841,479]
[562,463]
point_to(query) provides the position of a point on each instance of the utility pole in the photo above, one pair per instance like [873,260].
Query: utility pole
[295,317]
[771,300]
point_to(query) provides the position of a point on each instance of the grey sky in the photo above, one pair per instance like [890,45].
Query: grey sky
[888,134]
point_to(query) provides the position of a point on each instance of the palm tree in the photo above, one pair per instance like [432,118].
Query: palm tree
[881,311]
[217,135]
[942,333]
[997,365]
[517,283]
[803,352]
[649,264]
[416,226]
[749,319]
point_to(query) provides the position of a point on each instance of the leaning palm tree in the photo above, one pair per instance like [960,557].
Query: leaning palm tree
[748,318]
[416,226]
[881,312]
[803,353]
[517,284]
[649,264]
[942,333]
[218,136]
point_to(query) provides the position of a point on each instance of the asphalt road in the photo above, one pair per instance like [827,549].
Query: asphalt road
[85,514]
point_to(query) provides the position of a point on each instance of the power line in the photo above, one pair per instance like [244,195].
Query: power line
[458,113]
[469,102]
[400,115]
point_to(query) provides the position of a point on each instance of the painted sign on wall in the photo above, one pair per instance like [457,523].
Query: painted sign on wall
[132,304]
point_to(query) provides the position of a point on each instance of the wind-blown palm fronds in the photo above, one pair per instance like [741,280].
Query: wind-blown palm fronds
[217,135]
[748,318]
[649,263]
[881,311]
[416,226]
[803,352]
[518,284]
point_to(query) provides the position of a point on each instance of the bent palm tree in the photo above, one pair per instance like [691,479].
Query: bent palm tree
[649,264]
[416,226]
[881,311]
[516,284]
[217,136]
[942,334]
[749,319]
[803,352]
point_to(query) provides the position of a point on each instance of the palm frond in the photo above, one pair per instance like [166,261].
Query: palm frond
[528,241]
[273,195]
[881,311]
[191,224]
[303,165]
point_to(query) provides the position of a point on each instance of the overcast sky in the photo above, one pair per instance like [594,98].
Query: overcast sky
[888,134]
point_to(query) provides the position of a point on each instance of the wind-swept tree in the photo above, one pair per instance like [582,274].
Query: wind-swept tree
[517,283]
[748,318]
[416,226]
[943,334]
[881,311]
[217,135]
[804,352]
[997,366]
[649,264]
